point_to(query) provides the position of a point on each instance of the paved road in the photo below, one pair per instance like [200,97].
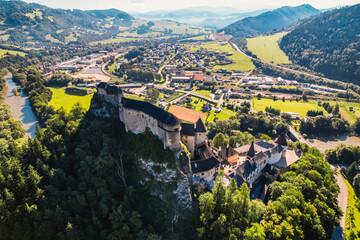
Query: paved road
[342,202]
[298,136]
[106,72]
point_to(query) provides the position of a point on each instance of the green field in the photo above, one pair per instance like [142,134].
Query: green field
[220,115]
[297,107]
[345,112]
[204,93]
[112,68]
[61,99]
[351,207]
[174,96]
[210,117]
[267,48]
[198,103]
[4,51]
[242,63]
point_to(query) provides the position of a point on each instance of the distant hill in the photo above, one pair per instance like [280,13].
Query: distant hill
[278,18]
[30,24]
[201,16]
[328,43]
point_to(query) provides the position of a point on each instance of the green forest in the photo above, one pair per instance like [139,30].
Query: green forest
[84,177]
[327,43]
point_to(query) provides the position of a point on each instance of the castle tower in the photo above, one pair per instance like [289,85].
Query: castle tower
[281,140]
[251,153]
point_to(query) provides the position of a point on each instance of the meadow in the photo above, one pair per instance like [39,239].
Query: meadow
[61,99]
[3,52]
[297,107]
[267,48]
[348,115]
[242,63]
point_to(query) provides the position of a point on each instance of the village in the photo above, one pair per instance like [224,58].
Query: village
[191,86]
[187,76]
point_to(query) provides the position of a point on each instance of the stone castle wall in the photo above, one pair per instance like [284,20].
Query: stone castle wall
[138,121]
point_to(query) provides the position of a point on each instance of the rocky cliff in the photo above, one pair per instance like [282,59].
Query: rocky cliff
[160,182]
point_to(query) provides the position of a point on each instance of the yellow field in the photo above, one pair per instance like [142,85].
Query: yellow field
[297,107]
[267,48]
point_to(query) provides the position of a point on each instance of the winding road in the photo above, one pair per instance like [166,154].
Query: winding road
[339,231]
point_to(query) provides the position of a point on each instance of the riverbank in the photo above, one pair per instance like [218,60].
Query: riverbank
[20,107]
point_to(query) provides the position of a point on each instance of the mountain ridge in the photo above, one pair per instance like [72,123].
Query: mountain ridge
[276,19]
[327,43]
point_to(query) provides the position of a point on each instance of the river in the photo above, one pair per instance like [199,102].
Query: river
[20,107]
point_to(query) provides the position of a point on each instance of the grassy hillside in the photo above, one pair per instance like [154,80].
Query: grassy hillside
[5,51]
[33,23]
[242,63]
[267,48]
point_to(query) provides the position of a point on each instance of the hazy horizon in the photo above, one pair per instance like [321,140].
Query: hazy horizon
[140,6]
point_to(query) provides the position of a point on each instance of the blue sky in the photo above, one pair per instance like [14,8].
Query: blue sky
[150,5]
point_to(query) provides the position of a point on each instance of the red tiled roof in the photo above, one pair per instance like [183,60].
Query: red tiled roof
[199,77]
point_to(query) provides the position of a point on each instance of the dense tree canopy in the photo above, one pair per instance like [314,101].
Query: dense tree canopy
[328,43]
[303,206]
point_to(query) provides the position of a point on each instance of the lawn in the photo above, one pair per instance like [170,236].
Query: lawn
[267,48]
[228,110]
[242,63]
[221,115]
[297,107]
[135,97]
[61,99]
[4,51]
[211,116]
[174,96]
[198,103]
[204,93]
[351,207]
[112,68]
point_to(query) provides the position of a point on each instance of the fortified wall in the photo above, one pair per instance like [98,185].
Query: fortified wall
[137,116]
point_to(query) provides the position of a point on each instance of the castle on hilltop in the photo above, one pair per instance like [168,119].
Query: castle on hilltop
[256,164]
[139,115]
